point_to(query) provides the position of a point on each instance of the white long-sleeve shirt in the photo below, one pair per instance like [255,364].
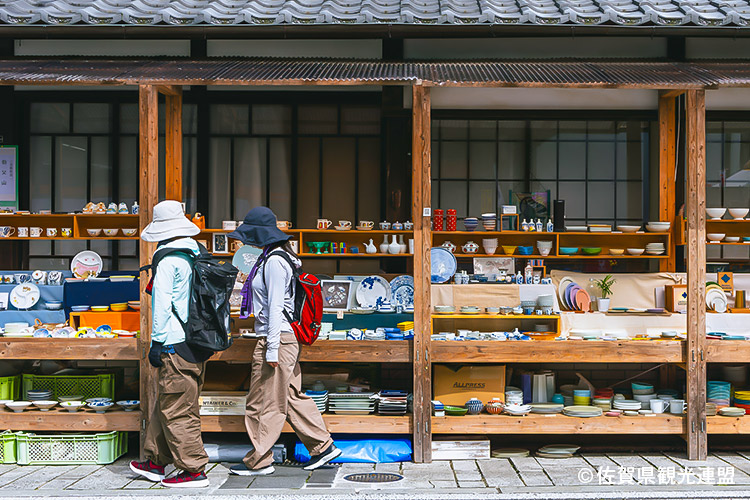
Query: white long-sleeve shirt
[273,292]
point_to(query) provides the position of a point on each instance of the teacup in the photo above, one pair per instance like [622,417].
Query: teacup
[366,224]
[51,232]
[384,226]
[23,232]
[6,278]
[66,231]
[228,225]
[284,225]
[345,224]
[7,231]
[35,232]
[21,278]
[677,406]
[324,223]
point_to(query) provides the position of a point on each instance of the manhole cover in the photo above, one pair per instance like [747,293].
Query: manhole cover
[374,477]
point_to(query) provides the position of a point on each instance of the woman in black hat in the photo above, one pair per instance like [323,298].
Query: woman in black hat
[276,393]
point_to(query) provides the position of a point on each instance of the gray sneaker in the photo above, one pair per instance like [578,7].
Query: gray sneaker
[242,470]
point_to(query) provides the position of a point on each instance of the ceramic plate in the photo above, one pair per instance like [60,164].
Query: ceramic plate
[373,291]
[402,291]
[564,282]
[443,264]
[583,301]
[24,296]
[245,258]
[571,296]
[86,264]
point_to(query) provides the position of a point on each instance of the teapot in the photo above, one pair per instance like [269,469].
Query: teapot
[199,221]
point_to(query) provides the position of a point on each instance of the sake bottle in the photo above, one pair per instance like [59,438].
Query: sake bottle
[539,228]
[524,225]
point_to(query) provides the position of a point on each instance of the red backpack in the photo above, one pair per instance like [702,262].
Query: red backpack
[308,303]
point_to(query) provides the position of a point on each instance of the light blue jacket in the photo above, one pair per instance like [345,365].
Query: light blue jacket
[172,286]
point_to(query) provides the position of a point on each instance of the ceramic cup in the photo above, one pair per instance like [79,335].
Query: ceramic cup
[658,405]
[385,226]
[677,406]
[345,223]
[21,278]
[408,225]
[366,224]
[6,278]
[66,231]
[23,232]
[35,232]
[324,223]
[7,231]
[228,225]
[51,232]
[284,225]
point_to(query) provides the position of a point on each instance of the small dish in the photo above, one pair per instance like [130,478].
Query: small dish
[738,213]
[616,251]
[455,411]
[121,307]
[509,249]
[100,308]
[732,239]
[45,405]
[111,232]
[629,229]
[591,250]
[101,406]
[53,305]
[129,405]
[636,251]
[18,406]
[94,232]
[72,406]
[524,250]
[129,231]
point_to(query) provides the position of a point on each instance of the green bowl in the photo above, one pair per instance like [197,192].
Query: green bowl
[455,411]
[592,250]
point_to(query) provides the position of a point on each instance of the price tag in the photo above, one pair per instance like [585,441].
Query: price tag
[427,212]
[339,314]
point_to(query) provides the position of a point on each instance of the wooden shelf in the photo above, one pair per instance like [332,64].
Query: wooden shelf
[739,243]
[608,257]
[728,425]
[333,351]
[351,231]
[354,424]
[727,351]
[347,255]
[558,351]
[81,238]
[64,421]
[69,349]
[495,316]
[558,424]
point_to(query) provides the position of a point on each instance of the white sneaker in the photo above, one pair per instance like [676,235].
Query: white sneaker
[242,470]
[322,459]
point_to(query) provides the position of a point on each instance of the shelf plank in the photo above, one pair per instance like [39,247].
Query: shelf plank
[347,255]
[69,349]
[495,316]
[551,351]
[353,351]
[727,351]
[558,424]
[63,421]
[728,425]
[359,424]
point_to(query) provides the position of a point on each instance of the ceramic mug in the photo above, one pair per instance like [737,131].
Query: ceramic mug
[228,225]
[345,224]
[22,278]
[35,232]
[7,278]
[23,232]
[658,405]
[677,406]
[324,223]
[66,231]
[51,232]
[284,225]
[366,224]
[7,231]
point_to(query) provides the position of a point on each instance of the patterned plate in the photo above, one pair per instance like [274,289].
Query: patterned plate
[443,264]
[373,291]
[402,291]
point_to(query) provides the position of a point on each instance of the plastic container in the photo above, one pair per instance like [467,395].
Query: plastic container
[90,386]
[10,387]
[71,449]
[8,447]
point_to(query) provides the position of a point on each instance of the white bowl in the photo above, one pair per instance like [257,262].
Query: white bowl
[654,252]
[72,406]
[628,229]
[129,232]
[4,402]
[110,232]
[18,406]
[636,251]
[738,213]
[715,236]
[94,232]
[45,405]
[544,244]
[544,251]
[732,239]
[716,213]
[658,227]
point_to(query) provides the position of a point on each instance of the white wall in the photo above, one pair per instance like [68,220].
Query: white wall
[519,48]
[728,99]
[360,49]
[102,48]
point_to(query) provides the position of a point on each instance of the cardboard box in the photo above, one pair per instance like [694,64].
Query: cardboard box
[222,402]
[675,298]
[455,385]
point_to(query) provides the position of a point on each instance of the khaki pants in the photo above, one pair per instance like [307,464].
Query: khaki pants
[275,397]
[174,428]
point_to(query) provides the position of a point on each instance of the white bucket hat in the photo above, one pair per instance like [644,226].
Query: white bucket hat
[169,222]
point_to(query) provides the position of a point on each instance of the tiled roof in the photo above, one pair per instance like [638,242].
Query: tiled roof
[415,12]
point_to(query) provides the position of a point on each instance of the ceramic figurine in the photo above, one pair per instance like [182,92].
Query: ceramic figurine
[384,245]
[135,208]
[401,243]
[394,247]
[370,247]
[449,246]
[122,208]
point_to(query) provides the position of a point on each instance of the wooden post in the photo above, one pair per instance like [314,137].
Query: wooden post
[148,98]
[667,163]
[173,133]
[695,130]
[421,199]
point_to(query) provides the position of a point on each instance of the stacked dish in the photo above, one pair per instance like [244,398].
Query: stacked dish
[544,247]
[470,310]
[710,409]
[604,403]
[18,330]
[658,227]
[557,451]
[546,408]
[39,395]
[716,298]
[392,402]
[582,411]
[510,453]
[517,410]
[320,398]
[445,309]
[718,392]
[374,335]
[347,403]
[572,296]
[581,397]
[627,404]
[730,411]
[741,399]
[513,395]
[655,248]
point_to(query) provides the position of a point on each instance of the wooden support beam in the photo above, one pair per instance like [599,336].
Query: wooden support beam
[148,129]
[421,199]
[667,164]
[173,90]
[173,137]
[671,94]
[695,130]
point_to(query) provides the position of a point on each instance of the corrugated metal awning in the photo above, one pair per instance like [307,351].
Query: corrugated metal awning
[274,71]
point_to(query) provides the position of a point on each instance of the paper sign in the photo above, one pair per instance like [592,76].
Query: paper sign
[8,177]
[726,281]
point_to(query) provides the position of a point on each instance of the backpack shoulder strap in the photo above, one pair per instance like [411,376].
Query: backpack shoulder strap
[161,253]
[295,273]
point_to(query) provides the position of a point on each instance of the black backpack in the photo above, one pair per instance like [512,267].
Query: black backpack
[207,327]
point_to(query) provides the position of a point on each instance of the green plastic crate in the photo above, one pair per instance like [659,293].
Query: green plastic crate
[8,447]
[65,449]
[90,386]
[10,387]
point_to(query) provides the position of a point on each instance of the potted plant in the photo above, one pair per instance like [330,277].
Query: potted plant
[605,285]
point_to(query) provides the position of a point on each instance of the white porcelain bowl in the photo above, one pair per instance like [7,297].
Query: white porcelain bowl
[72,406]
[628,229]
[716,213]
[732,239]
[4,402]
[636,251]
[658,227]
[18,406]
[715,236]
[45,405]
[129,232]
[544,244]
[738,213]
[110,232]
[94,232]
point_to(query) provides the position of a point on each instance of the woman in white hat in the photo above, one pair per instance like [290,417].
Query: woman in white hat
[173,435]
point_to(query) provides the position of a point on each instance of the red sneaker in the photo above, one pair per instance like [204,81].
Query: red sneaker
[148,469]
[186,480]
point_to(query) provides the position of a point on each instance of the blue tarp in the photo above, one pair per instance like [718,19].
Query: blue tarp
[378,451]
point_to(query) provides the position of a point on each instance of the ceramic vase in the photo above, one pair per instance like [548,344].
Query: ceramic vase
[370,247]
[401,243]
[384,245]
[394,247]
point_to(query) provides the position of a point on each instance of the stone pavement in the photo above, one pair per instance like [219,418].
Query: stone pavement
[596,476]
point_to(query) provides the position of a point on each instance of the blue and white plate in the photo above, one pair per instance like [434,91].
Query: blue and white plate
[373,291]
[402,291]
[443,264]
[244,259]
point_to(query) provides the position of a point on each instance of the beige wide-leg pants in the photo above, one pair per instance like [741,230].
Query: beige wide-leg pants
[275,397]
[174,428]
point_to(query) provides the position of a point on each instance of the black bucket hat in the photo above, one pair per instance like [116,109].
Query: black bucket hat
[259,229]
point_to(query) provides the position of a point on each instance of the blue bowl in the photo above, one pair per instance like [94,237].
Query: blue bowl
[568,250]
[525,250]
